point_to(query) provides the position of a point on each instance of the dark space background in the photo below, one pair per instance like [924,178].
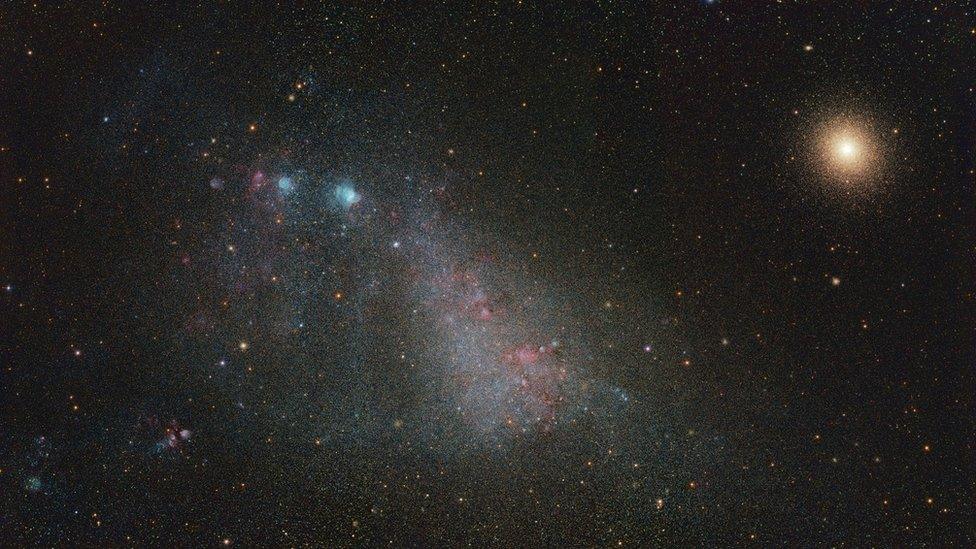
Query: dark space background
[498,273]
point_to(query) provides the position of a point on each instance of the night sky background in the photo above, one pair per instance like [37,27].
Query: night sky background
[504,273]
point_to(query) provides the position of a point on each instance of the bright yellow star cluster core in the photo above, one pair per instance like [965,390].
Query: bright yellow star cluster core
[847,149]
[848,154]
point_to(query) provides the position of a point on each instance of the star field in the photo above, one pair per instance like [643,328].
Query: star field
[688,273]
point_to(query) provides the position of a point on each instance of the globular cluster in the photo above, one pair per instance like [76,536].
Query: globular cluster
[500,274]
[853,156]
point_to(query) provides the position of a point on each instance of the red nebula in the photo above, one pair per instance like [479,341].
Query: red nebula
[539,375]
[257,181]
